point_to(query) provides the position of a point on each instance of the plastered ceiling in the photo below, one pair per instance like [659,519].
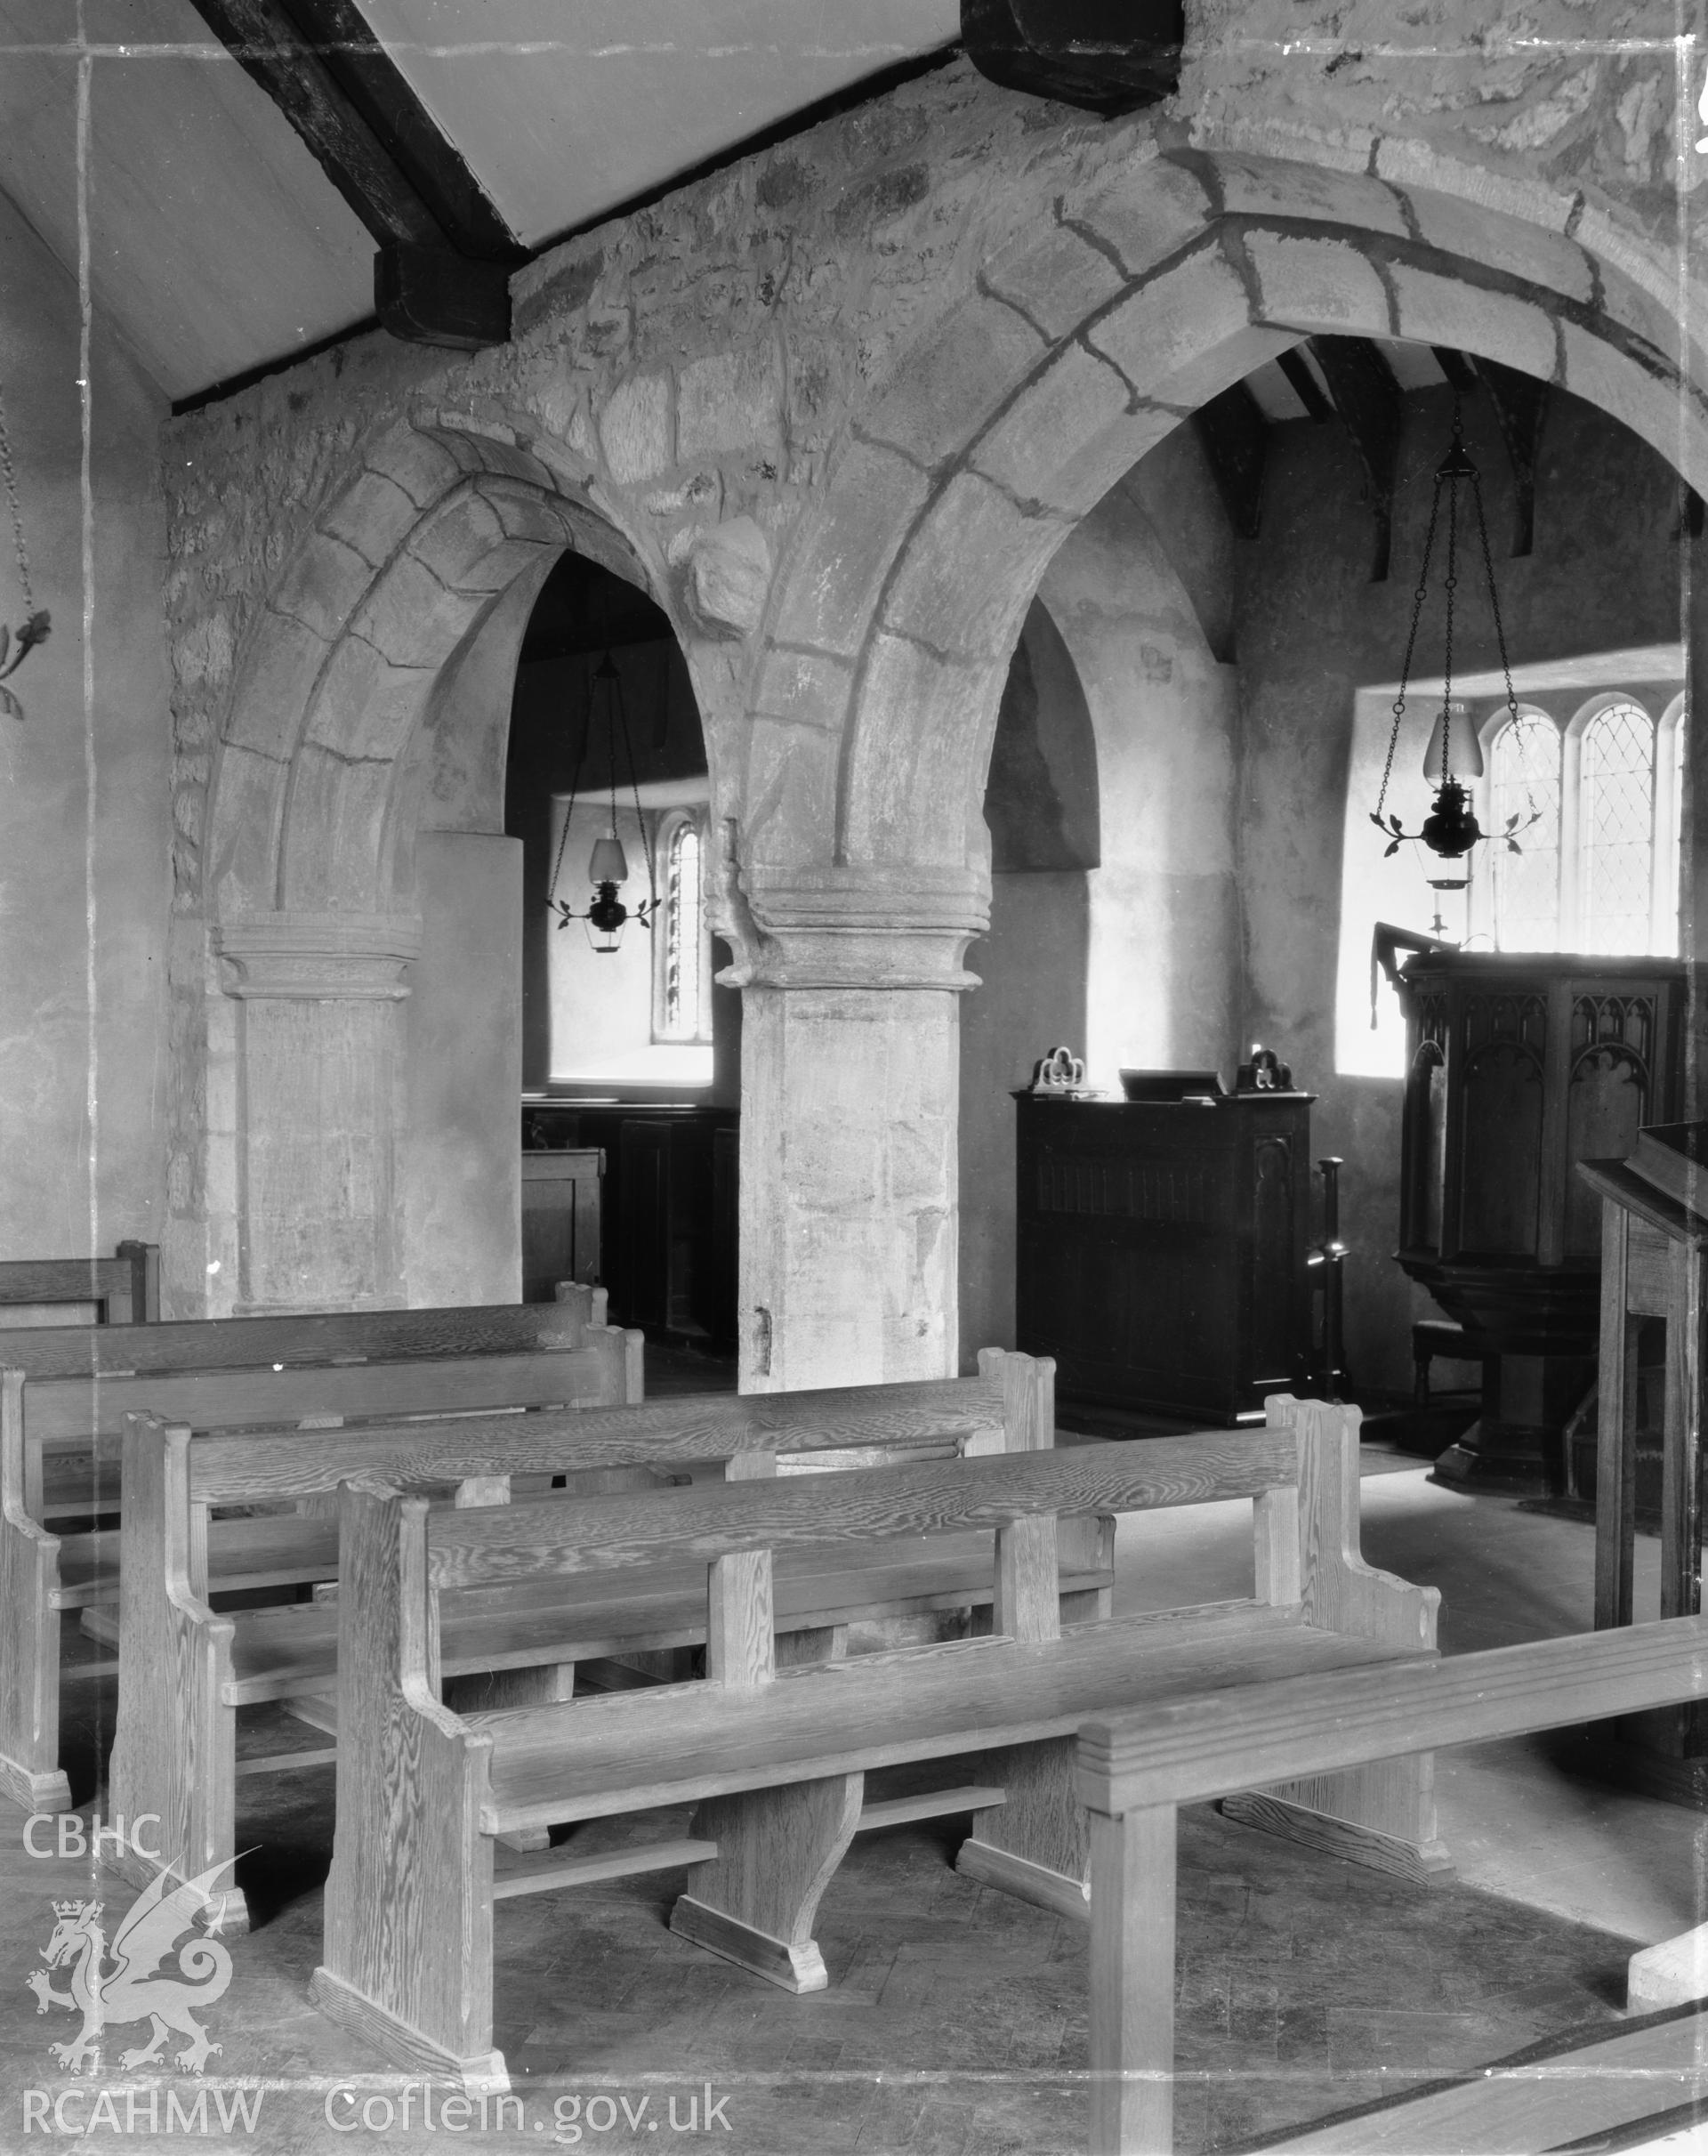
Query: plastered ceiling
[216,244]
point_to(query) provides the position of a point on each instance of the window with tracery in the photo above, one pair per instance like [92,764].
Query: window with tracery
[1524,773]
[1616,825]
[1598,869]
[682,991]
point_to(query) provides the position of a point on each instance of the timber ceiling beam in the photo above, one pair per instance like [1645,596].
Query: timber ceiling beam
[1520,406]
[1304,385]
[441,274]
[1367,399]
[1103,56]
[1236,438]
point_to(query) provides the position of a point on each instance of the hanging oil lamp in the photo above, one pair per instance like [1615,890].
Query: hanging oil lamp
[1450,830]
[604,915]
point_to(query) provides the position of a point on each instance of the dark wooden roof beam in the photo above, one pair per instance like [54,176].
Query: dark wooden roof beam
[442,272]
[1236,438]
[1103,56]
[1460,375]
[1304,385]
[1520,406]
[1367,399]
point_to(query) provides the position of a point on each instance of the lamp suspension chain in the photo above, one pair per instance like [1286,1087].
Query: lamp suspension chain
[1450,582]
[569,812]
[639,821]
[1451,829]
[1493,596]
[1418,598]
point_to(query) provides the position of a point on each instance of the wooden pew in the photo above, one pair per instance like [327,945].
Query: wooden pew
[1134,1772]
[123,1290]
[77,1482]
[775,1759]
[320,1337]
[186,1670]
[57,1461]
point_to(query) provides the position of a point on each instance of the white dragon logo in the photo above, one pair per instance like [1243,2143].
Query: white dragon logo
[135,1986]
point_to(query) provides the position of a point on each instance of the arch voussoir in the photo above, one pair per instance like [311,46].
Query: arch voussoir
[1433,310]
[1317,284]
[931,598]
[1050,446]
[334,855]
[1050,281]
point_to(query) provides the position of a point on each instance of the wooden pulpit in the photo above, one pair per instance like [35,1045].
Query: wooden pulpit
[1520,1064]
[1653,1236]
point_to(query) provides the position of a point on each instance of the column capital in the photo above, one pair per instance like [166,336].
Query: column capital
[317,956]
[871,926]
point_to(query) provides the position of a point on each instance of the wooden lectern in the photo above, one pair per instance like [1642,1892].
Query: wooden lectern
[1654,1235]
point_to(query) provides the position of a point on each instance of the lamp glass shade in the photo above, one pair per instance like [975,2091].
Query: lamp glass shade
[609,864]
[1465,751]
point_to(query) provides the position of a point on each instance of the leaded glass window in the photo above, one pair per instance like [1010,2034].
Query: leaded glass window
[684,985]
[1598,868]
[1524,782]
[1616,826]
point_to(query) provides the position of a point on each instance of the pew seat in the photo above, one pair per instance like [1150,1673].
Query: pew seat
[553,1765]
[774,1758]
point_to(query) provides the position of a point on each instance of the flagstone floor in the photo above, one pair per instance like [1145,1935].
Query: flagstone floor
[956,2020]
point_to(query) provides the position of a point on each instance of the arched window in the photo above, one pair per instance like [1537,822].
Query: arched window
[1598,866]
[1617,830]
[1524,780]
[683,1003]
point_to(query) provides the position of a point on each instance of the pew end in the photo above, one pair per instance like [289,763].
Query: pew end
[174,1766]
[30,1773]
[1380,1813]
[425,1878]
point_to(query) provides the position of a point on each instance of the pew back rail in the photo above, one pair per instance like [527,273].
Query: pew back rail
[123,1290]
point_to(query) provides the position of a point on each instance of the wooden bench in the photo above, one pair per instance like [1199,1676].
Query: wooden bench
[319,1337]
[185,1670]
[775,1759]
[79,1482]
[1135,1771]
[123,1290]
[58,1461]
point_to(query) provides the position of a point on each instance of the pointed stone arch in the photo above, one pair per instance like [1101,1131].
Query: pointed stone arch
[288,1191]
[306,805]
[1151,290]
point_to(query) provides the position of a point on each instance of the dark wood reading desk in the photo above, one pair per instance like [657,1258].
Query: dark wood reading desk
[1161,1249]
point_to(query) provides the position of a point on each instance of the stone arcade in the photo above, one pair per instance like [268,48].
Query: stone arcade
[1017,728]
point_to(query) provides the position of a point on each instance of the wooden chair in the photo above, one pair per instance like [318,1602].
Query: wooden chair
[775,1758]
[1135,1770]
[58,1462]
[55,1292]
[185,1670]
